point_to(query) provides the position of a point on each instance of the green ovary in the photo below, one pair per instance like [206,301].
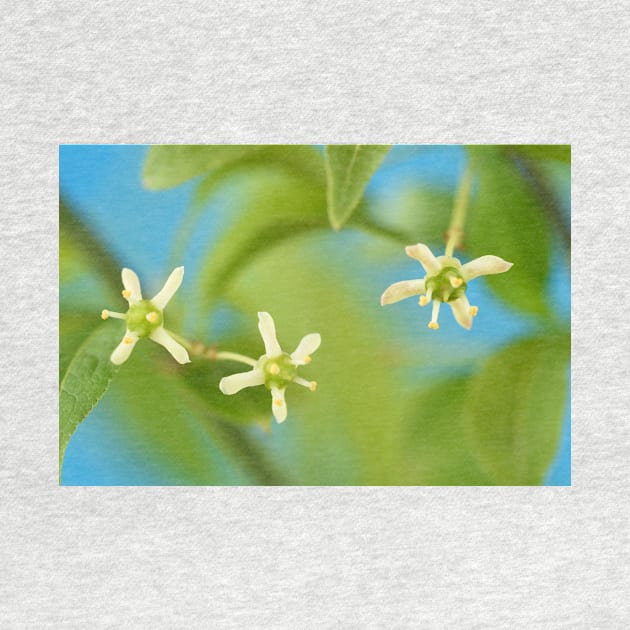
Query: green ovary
[279,371]
[137,321]
[441,287]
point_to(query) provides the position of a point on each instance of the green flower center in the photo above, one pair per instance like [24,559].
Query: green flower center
[279,371]
[446,286]
[143,318]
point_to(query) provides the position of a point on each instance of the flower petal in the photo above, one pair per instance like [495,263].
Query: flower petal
[461,311]
[132,285]
[124,348]
[159,335]
[401,290]
[170,286]
[484,266]
[306,347]
[235,382]
[268,333]
[425,257]
[278,404]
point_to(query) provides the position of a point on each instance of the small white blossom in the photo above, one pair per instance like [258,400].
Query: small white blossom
[275,369]
[446,280]
[145,317]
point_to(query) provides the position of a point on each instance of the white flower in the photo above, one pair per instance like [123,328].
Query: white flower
[145,318]
[446,280]
[275,369]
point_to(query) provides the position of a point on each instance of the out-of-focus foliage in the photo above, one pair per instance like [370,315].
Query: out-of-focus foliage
[171,165]
[505,219]
[394,405]
[349,168]
[514,406]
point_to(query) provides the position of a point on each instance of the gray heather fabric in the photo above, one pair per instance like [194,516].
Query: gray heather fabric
[344,71]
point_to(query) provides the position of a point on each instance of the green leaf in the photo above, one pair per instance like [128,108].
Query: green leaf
[415,213]
[295,161]
[86,379]
[349,168]
[79,248]
[74,328]
[272,207]
[169,165]
[435,442]
[555,152]
[163,417]
[506,219]
[344,432]
[515,409]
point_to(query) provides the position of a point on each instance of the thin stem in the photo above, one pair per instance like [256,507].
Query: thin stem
[210,352]
[455,233]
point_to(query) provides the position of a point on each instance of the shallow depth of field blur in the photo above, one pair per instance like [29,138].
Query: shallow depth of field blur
[397,403]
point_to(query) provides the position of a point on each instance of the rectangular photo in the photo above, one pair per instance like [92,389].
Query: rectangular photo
[341,315]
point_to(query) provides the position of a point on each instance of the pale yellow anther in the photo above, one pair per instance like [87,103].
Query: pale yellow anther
[104,314]
[274,369]
[277,402]
[433,325]
[126,293]
[307,359]
[152,317]
[313,386]
[128,340]
[424,300]
[456,282]
[474,310]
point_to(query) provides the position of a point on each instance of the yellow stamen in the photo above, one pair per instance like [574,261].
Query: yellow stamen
[126,293]
[274,369]
[152,317]
[474,310]
[424,300]
[307,359]
[313,386]
[433,325]
[456,282]
[104,314]
[277,402]
[127,340]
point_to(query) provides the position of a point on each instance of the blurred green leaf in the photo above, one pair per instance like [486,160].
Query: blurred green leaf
[169,165]
[507,220]
[349,168]
[295,161]
[435,443]
[537,173]
[345,432]
[85,380]
[273,207]
[180,430]
[80,248]
[555,152]
[419,213]
[515,409]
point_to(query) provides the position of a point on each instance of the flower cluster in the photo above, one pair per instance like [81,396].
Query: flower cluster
[275,369]
[145,318]
[446,280]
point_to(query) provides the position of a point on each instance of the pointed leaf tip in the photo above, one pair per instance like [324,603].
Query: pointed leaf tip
[349,168]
